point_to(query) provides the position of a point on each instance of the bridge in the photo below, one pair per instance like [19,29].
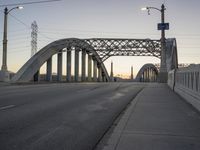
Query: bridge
[97,51]
[108,115]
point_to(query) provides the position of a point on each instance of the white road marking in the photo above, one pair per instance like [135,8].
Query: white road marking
[7,107]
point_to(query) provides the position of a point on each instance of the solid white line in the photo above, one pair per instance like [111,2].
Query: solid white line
[7,107]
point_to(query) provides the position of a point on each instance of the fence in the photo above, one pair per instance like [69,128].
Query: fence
[186,82]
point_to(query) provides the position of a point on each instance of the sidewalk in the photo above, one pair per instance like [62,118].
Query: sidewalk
[157,119]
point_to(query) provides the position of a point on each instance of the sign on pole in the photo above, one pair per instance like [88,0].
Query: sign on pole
[163,26]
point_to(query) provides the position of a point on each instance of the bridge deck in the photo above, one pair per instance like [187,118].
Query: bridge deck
[158,119]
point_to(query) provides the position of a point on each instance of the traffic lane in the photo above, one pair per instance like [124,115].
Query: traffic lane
[78,124]
[45,102]
[11,95]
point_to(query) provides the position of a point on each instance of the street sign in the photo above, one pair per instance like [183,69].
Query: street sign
[163,26]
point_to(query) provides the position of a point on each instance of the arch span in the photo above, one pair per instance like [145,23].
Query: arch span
[28,70]
[145,71]
[171,54]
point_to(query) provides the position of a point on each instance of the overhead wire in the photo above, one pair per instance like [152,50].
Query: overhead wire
[29,3]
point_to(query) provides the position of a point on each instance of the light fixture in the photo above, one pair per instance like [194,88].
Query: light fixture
[20,7]
[144,8]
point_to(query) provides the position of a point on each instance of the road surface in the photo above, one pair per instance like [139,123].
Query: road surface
[67,116]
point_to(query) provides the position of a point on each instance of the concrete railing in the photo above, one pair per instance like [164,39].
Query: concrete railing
[186,82]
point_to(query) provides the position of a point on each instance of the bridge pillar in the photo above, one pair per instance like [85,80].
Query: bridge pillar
[148,74]
[76,69]
[103,77]
[151,75]
[95,70]
[131,72]
[154,76]
[89,67]
[142,80]
[59,66]
[111,73]
[99,74]
[83,65]
[36,76]
[49,70]
[144,76]
[68,65]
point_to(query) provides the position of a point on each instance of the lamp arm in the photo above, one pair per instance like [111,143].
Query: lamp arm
[153,8]
[12,9]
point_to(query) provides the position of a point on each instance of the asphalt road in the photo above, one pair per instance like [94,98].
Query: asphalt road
[60,116]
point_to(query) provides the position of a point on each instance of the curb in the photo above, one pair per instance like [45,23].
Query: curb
[115,136]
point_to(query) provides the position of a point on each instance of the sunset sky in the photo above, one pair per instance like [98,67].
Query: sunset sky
[102,19]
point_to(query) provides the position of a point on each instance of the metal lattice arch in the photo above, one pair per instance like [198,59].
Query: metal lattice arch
[125,47]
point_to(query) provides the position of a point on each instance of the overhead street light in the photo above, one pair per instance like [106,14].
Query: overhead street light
[4,72]
[161,26]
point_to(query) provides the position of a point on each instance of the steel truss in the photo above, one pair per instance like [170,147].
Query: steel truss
[125,47]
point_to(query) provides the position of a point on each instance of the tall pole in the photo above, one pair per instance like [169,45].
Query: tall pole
[4,74]
[163,67]
[111,72]
[4,63]
[131,72]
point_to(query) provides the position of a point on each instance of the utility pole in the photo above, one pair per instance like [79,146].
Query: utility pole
[163,68]
[4,73]
[4,63]
[34,32]
[161,26]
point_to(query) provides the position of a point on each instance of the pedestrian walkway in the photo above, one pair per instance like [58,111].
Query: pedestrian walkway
[157,119]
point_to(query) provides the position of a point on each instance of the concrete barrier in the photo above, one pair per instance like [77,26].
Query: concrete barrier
[186,82]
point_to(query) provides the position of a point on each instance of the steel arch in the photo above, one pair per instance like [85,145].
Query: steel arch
[106,47]
[28,70]
[145,67]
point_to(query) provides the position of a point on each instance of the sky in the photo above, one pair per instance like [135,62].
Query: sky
[101,19]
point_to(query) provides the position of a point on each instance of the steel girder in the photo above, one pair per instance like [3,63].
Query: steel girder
[106,48]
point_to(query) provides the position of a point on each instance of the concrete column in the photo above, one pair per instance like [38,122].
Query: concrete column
[103,77]
[76,69]
[49,70]
[83,65]
[131,72]
[59,67]
[153,75]
[36,76]
[199,81]
[143,77]
[99,74]
[148,77]
[68,66]
[89,67]
[95,70]
[111,73]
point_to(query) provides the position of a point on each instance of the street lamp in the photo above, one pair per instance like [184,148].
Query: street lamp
[4,75]
[162,26]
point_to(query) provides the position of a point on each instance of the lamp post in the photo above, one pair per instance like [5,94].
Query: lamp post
[163,67]
[4,75]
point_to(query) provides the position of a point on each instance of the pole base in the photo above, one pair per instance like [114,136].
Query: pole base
[163,77]
[4,76]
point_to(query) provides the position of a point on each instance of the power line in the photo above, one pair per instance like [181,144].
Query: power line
[29,3]
[27,26]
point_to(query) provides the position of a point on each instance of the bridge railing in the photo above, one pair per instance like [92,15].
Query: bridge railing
[186,82]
